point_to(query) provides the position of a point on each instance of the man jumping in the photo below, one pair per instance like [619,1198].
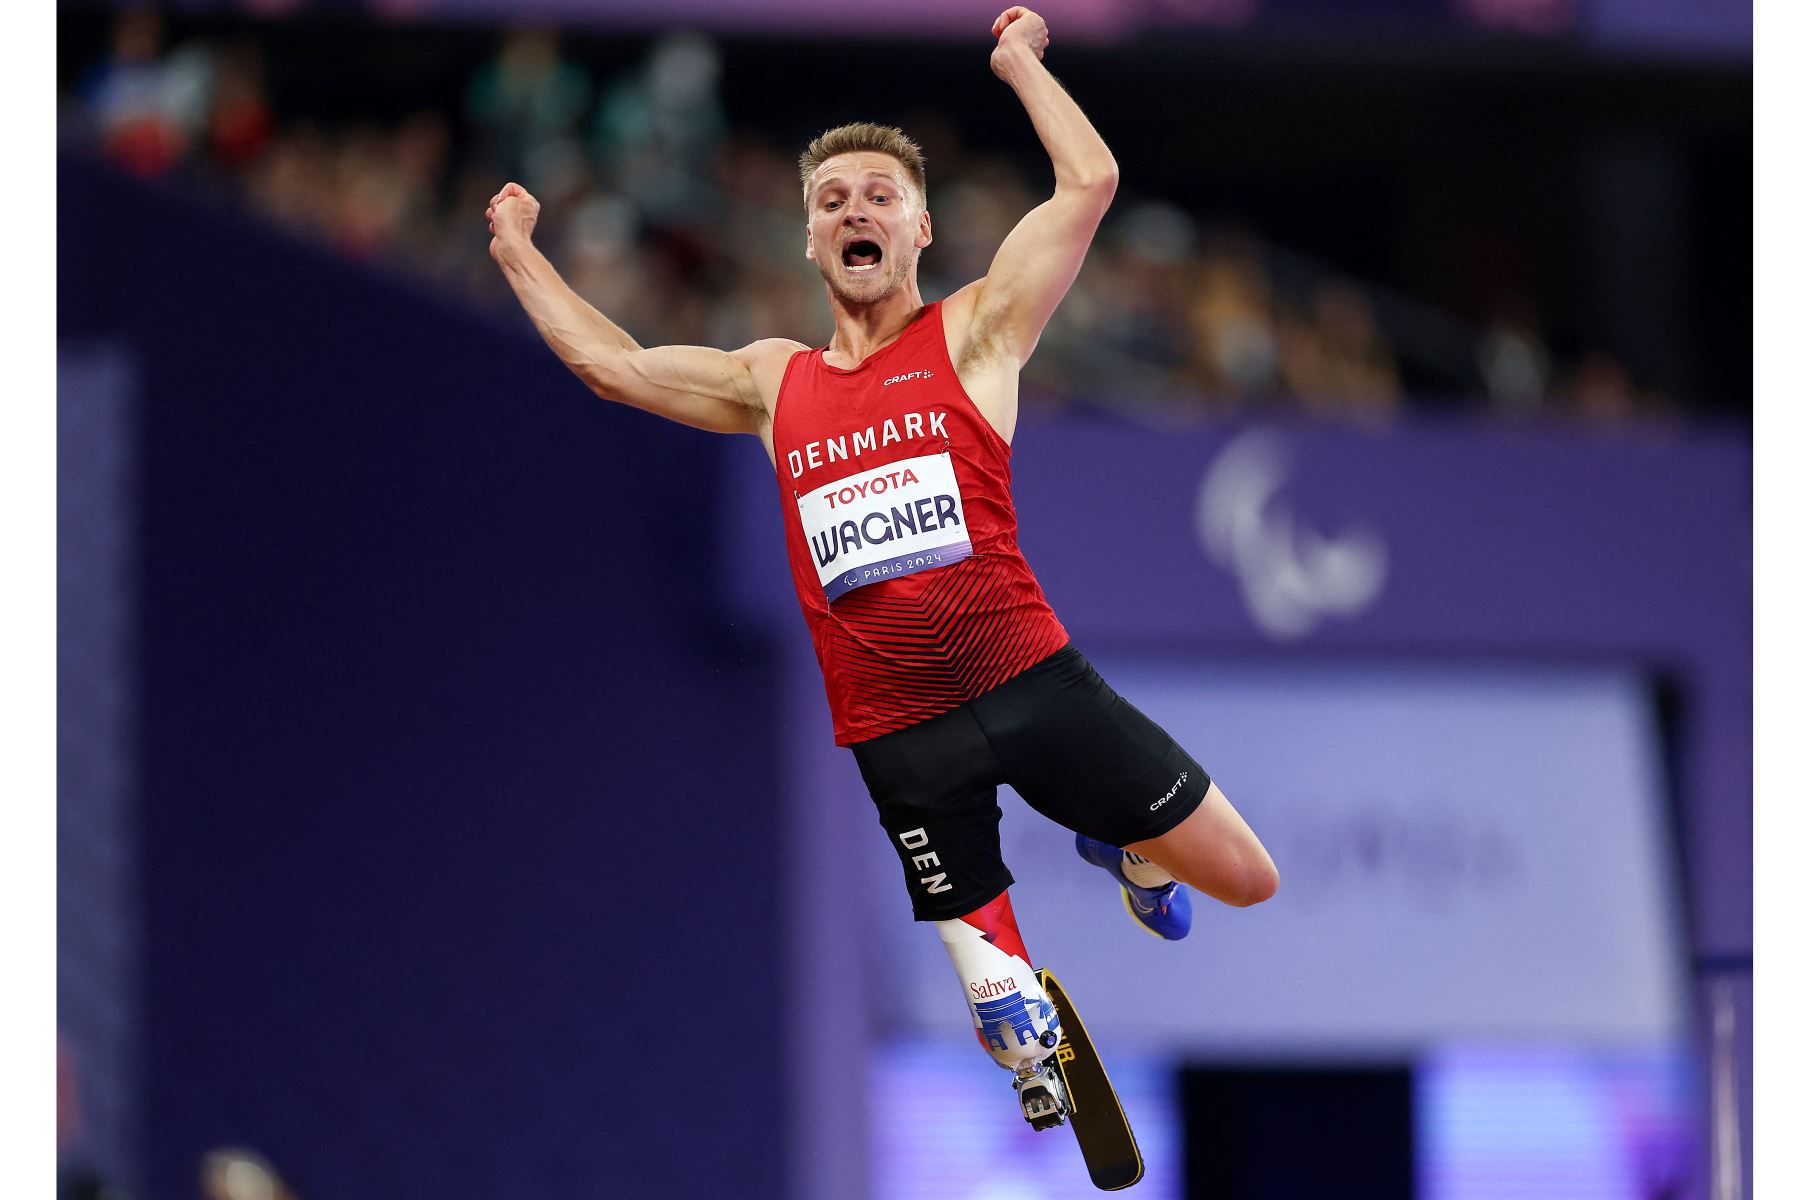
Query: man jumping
[946,670]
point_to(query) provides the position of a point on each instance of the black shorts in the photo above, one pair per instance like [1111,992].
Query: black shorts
[1065,741]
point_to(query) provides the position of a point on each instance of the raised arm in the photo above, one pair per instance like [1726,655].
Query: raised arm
[696,385]
[1039,260]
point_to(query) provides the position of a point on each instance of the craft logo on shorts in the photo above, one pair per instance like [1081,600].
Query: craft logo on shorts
[1170,794]
[887,522]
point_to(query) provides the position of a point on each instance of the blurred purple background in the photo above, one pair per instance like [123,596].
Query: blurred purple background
[1682,26]
[446,799]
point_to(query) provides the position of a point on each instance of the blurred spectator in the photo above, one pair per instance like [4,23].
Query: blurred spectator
[291,182]
[689,231]
[1363,381]
[972,214]
[656,132]
[1300,354]
[367,194]
[761,193]
[1233,316]
[419,158]
[525,108]
[238,122]
[1513,361]
[1143,322]
[147,107]
[1601,391]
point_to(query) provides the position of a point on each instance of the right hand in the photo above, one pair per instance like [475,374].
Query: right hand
[1018,27]
[511,215]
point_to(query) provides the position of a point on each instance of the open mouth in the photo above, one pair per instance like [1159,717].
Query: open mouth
[861,255]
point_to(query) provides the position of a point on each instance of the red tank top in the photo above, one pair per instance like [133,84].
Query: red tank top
[897,497]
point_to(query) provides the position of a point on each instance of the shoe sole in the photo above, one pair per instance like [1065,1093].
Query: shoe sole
[1137,916]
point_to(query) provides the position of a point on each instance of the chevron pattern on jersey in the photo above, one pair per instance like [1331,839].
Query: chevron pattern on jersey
[904,651]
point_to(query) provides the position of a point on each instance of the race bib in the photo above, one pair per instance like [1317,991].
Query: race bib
[895,520]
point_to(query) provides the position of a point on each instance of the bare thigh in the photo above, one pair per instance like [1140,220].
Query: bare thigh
[1215,851]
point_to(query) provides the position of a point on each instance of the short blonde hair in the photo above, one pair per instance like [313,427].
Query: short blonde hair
[860,137]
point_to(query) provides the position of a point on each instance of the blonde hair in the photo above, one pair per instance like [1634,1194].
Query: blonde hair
[859,137]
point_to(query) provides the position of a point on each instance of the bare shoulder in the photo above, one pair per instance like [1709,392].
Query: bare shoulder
[767,361]
[768,349]
[769,352]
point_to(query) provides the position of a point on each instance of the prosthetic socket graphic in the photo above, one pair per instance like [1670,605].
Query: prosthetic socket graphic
[1014,1020]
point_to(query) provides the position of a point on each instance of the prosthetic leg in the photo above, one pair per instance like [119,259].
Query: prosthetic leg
[1027,1023]
[1014,1019]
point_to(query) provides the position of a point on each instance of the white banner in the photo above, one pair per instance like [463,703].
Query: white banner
[1464,853]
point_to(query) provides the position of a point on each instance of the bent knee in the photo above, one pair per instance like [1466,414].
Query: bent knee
[1256,883]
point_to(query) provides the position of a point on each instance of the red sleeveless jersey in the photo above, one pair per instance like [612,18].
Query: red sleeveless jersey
[897,496]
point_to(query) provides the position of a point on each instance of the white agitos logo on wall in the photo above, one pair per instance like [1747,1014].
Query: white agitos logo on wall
[1292,576]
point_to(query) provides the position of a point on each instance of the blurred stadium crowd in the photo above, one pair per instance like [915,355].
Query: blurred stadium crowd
[687,228]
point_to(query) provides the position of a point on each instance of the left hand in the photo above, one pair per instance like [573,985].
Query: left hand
[1020,27]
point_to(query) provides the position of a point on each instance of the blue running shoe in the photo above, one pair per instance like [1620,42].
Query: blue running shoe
[1164,911]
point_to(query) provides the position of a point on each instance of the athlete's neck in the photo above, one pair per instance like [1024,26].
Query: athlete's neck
[862,329]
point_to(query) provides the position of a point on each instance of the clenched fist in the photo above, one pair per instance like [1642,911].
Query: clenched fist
[511,216]
[1018,29]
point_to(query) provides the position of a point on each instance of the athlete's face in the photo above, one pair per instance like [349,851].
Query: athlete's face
[864,226]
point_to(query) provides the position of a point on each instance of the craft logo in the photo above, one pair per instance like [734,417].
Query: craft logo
[1170,794]
[903,378]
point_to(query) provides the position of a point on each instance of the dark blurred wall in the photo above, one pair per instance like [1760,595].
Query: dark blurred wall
[455,796]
